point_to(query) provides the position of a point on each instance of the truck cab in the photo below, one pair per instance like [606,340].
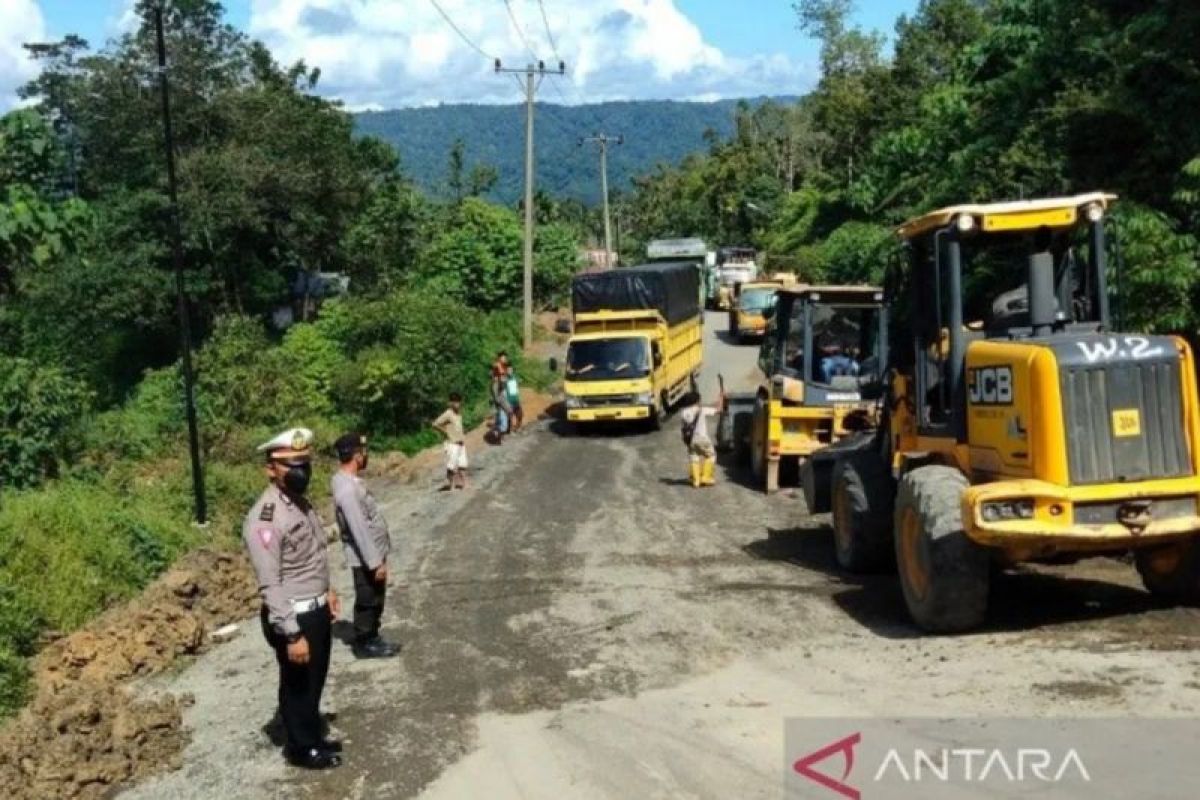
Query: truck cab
[636,345]
[751,304]
[610,368]
[735,266]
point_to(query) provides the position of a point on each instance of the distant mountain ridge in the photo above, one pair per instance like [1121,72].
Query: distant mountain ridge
[655,131]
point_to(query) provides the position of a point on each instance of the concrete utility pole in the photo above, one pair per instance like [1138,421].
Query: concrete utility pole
[604,140]
[531,72]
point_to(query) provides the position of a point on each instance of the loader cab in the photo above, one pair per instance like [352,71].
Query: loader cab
[832,339]
[1004,272]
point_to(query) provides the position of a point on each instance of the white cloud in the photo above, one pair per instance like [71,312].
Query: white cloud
[20,21]
[392,53]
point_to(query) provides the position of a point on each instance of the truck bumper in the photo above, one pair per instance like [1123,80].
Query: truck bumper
[613,414]
[1081,519]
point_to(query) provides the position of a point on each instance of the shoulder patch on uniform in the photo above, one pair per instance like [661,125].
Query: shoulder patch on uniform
[268,512]
[265,535]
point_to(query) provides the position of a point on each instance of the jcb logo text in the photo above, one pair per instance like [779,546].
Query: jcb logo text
[990,386]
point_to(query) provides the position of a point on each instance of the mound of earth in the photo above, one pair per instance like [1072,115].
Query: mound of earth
[84,733]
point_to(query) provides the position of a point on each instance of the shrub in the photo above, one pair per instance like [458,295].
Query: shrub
[148,425]
[41,410]
[247,388]
[71,549]
[14,681]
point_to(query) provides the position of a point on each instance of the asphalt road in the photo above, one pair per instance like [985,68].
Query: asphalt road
[584,624]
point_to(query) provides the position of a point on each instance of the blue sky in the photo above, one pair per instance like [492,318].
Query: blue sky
[386,53]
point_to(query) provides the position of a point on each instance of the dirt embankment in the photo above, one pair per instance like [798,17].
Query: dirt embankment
[83,732]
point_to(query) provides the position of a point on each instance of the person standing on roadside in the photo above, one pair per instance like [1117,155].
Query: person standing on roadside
[512,392]
[368,544]
[450,425]
[286,542]
[702,454]
[504,411]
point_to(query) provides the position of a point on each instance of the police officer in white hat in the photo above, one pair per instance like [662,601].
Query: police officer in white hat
[286,542]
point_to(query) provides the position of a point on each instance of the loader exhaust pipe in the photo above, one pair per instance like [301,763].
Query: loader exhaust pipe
[1043,306]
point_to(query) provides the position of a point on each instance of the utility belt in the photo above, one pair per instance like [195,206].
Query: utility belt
[309,604]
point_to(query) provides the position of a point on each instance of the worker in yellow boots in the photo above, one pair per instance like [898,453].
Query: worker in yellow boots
[701,452]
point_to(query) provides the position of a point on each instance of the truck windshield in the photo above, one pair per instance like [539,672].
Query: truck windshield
[757,300]
[608,359]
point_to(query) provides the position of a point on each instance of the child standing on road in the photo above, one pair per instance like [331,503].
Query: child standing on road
[701,452]
[450,425]
[512,392]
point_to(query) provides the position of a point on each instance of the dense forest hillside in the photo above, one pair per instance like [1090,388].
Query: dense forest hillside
[655,131]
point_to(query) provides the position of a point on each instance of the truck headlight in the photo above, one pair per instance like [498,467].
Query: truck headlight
[572,401]
[1006,510]
[644,399]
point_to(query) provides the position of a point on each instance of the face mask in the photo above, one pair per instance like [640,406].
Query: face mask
[296,479]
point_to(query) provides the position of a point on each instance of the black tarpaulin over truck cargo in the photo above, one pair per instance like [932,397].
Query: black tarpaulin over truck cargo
[673,289]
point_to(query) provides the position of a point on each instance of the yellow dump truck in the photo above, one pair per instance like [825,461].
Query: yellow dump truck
[637,343]
[748,308]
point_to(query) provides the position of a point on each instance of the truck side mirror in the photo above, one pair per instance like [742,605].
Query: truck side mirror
[553,365]
[658,357]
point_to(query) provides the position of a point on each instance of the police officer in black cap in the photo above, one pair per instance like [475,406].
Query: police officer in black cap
[367,543]
[286,542]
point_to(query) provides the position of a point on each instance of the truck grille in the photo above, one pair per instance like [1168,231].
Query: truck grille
[1091,395]
[608,400]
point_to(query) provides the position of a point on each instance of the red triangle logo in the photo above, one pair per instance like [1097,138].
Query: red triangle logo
[846,747]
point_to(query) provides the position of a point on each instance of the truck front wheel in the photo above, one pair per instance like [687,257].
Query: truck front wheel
[659,414]
[1172,572]
[943,573]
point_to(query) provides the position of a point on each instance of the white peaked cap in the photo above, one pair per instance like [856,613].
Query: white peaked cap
[293,440]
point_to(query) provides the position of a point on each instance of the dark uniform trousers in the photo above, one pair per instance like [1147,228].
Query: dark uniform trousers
[301,685]
[368,604]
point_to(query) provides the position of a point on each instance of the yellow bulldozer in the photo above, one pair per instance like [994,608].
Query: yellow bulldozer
[1018,425]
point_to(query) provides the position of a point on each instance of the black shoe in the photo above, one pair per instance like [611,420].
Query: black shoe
[374,648]
[313,758]
[330,745]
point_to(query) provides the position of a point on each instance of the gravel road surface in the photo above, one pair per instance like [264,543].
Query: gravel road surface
[582,623]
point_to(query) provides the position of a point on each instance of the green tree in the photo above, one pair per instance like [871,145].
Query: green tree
[41,410]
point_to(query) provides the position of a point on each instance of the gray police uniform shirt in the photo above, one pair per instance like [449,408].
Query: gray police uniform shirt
[363,530]
[286,542]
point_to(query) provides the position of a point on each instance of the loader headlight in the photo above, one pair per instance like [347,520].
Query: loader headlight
[966,223]
[1094,212]
[1006,510]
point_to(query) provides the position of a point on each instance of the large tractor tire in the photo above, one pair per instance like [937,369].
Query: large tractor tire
[1172,572]
[863,493]
[944,575]
[764,470]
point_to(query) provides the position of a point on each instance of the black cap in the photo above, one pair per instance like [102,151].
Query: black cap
[349,444]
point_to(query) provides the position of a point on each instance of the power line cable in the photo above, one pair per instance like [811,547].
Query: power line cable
[460,33]
[512,17]
[549,33]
